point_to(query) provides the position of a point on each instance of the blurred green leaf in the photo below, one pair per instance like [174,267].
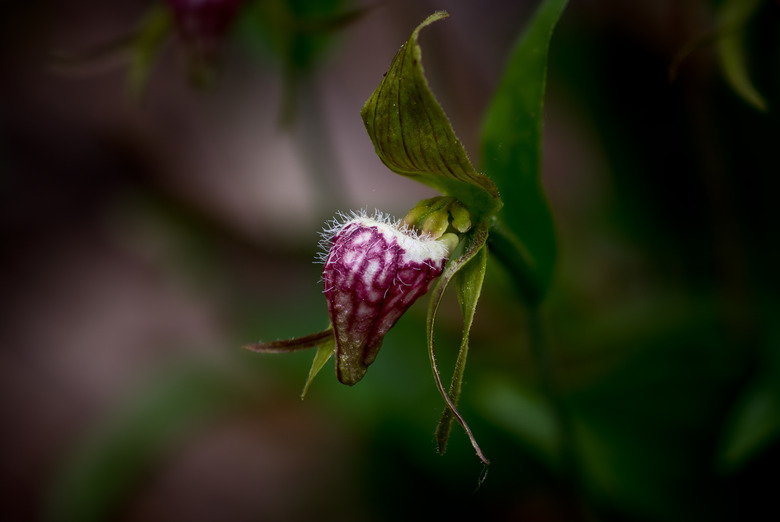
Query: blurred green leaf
[754,422]
[734,16]
[646,429]
[296,32]
[156,27]
[413,137]
[468,282]
[105,466]
[524,413]
[512,144]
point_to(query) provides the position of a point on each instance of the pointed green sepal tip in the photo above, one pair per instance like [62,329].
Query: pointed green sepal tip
[324,341]
[323,355]
[413,137]
[734,18]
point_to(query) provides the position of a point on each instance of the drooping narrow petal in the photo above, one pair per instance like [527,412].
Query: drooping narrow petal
[473,244]
[468,281]
[291,345]
[375,270]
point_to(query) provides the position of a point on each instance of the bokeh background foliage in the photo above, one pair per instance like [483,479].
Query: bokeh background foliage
[144,242]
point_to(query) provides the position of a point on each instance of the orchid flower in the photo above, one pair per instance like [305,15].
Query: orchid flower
[375,267]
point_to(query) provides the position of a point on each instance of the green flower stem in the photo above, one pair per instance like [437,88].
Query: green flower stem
[512,253]
[304,116]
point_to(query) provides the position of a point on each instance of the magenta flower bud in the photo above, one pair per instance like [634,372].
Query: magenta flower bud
[203,23]
[374,270]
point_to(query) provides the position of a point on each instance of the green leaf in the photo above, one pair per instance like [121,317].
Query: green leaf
[468,282]
[734,16]
[512,145]
[323,355]
[155,29]
[413,137]
[473,245]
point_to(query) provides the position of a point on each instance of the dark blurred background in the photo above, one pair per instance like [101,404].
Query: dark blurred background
[146,238]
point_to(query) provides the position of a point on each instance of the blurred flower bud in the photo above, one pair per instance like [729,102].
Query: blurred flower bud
[374,270]
[204,23]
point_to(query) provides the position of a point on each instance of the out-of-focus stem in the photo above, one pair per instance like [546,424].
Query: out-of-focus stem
[540,350]
[511,252]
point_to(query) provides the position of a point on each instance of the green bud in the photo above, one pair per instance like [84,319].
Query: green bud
[414,216]
[461,219]
[436,223]
[437,215]
[450,241]
[425,208]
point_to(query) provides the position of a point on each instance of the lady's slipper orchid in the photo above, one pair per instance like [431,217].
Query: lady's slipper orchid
[374,270]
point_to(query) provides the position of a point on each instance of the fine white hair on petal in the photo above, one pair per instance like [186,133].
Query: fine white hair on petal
[427,247]
[332,227]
